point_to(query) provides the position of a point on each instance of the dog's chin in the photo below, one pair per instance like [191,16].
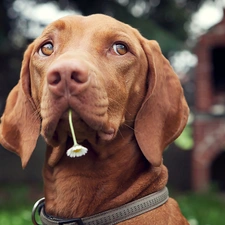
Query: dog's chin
[107,135]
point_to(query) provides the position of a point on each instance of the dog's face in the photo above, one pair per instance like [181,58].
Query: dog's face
[117,83]
[95,66]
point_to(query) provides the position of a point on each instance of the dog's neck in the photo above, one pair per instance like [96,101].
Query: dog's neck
[104,178]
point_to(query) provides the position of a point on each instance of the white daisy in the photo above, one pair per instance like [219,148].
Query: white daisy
[76,150]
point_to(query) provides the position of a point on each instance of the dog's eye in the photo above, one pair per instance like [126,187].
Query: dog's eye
[46,49]
[120,49]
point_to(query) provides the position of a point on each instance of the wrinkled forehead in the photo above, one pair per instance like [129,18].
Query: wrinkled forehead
[94,26]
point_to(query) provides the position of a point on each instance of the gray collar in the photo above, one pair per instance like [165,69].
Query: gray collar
[109,217]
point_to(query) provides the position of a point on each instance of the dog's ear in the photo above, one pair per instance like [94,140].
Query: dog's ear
[20,124]
[164,111]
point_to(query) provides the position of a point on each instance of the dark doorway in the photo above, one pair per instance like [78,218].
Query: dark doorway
[218,68]
[218,171]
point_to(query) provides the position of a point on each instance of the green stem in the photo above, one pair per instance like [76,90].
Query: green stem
[71,127]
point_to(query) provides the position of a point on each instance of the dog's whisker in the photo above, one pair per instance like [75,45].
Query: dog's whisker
[121,134]
[128,126]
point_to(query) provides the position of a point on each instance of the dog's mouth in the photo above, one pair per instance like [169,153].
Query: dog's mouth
[88,126]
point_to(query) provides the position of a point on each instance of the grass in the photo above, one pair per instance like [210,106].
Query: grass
[16,203]
[203,209]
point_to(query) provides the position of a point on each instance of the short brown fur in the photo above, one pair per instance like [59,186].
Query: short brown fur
[126,110]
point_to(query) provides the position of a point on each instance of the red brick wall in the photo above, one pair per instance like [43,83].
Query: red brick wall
[209,131]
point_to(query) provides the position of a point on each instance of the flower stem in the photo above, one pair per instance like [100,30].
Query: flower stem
[71,127]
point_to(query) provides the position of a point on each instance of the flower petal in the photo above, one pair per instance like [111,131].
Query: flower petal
[76,151]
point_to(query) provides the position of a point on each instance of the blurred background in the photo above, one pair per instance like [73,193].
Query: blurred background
[191,34]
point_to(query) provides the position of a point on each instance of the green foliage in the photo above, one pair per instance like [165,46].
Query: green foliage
[15,217]
[203,209]
[169,15]
[185,140]
[16,204]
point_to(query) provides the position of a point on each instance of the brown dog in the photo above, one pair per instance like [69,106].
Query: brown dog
[127,103]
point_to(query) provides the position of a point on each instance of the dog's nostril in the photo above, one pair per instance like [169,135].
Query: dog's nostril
[78,77]
[54,79]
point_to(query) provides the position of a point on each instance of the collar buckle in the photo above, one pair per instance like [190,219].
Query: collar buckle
[37,208]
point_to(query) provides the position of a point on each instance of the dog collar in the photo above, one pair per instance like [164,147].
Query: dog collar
[109,217]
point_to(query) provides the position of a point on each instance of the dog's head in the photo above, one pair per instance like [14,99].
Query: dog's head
[108,74]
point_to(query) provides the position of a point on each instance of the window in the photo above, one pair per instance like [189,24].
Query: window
[218,68]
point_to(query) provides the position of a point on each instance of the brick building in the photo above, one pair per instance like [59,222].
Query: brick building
[208,160]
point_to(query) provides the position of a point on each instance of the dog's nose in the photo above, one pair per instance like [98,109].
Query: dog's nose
[67,77]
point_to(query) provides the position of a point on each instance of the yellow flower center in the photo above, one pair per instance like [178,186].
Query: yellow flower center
[76,150]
